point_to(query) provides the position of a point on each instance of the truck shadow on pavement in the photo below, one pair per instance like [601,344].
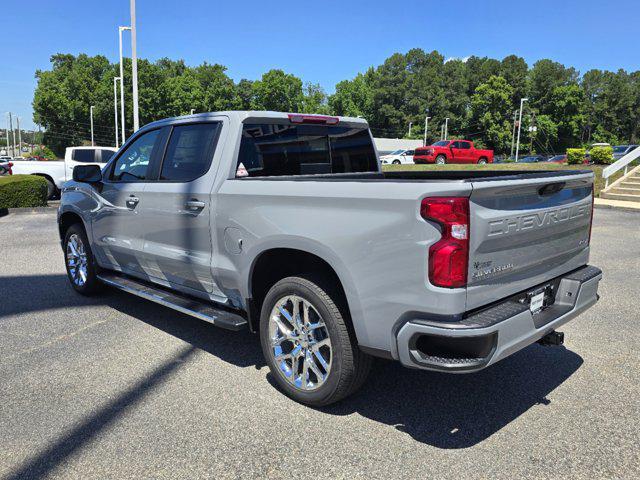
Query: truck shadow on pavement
[443,410]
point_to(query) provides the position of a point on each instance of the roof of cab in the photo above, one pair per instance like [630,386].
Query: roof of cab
[242,115]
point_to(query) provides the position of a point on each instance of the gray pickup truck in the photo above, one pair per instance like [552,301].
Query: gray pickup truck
[285,224]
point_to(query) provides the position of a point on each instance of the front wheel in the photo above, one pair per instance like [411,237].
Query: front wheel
[81,266]
[307,345]
[441,160]
[396,162]
[482,161]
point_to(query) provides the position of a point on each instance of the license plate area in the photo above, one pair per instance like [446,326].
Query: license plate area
[540,298]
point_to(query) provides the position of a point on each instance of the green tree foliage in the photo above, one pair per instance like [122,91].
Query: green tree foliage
[490,105]
[478,95]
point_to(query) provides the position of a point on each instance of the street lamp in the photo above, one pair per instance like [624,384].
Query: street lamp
[522,100]
[120,30]
[410,123]
[446,128]
[134,67]
[426,127]
[91,119]
[115,107]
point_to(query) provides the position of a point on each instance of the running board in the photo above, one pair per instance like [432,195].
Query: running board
[196,308]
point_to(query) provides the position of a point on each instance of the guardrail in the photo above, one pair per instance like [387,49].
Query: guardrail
[619,165]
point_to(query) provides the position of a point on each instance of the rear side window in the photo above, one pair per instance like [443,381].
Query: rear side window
[84,155]
[465,145]
[103,156]
[189,152]
[269,150]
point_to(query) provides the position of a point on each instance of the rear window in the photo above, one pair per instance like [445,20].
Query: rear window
[269,150]
[84,155]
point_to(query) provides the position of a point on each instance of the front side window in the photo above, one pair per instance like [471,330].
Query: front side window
[284,149]
[84,155]
[465,145]
[189,152]
[132,164]
[455,145]
[409,152]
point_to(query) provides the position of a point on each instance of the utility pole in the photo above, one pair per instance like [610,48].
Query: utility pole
[134,67]
[522,100]
[19,136]
[426,127]
[410,129]
[91,119]
[7,132]
[192,111]
[13,134]
[532,130]
[122,123]
[115,107]
[442,132]
[446,128]
[513,134]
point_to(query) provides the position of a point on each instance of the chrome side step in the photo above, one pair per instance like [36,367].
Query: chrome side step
[196,308]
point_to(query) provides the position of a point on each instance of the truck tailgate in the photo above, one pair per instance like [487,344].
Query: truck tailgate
[525,232]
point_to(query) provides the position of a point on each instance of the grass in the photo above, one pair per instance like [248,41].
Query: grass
[597,169]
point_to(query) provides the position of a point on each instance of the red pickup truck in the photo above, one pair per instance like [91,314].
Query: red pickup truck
[452,151]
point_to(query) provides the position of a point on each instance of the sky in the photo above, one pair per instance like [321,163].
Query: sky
[319,41]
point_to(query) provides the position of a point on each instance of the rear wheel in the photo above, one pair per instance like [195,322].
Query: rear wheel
[79,260]
[441,160]
[307,345]
[51,189]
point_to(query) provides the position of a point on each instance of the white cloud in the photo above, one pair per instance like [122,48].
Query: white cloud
[462,59]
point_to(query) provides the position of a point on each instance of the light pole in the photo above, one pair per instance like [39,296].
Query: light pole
[13,134]
[91,119]
[192,110]
[134,67]
[115,107]
[120,30]
[513,134]
[426,127]
[19,136]
[7,132]
[410,129]
[522,100]
[446,128]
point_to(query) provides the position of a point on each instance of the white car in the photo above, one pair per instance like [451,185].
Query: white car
[398,157]
[57,172]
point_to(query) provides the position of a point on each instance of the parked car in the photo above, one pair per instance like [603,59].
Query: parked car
[620,151]
[558,159]
[398,157]
[452,151]
[285,224]
[5,167]
[57,172]
[532,159]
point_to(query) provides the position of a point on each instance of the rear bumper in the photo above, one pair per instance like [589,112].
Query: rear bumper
[487,336]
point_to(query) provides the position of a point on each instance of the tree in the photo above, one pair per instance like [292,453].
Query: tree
[314,100]
[354,98]
[514,70]
[544,77]
[490,107]
[278,91]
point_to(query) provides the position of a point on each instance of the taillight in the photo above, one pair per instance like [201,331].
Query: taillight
[449,256]
[317,119]
[10,165]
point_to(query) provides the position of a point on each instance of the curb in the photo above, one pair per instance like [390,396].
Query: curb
[27,211]
[602,206]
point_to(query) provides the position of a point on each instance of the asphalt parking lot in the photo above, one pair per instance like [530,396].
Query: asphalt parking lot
[116,387]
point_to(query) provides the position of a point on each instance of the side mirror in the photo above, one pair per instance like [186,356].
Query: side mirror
[87,174]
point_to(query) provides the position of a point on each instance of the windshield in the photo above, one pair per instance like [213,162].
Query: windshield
[396,152]
[620,149]
[528,160]
[441,143]
[557,157]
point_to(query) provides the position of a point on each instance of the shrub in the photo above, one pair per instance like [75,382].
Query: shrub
[602,155]
[18,191]
[575,156]
[43,152]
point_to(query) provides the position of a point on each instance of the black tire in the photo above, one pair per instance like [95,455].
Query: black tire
[91,285]
[441,160]
[51,189]
[482,161]
[396,162]
[349,365]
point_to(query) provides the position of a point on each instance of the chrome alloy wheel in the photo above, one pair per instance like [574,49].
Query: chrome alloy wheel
[77,260]
[300,343]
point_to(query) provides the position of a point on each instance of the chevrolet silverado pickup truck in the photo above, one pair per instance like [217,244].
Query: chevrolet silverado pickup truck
[452,151]
[284,224]
[56,172]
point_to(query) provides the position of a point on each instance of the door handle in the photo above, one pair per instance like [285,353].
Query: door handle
[132,201]
[194,205]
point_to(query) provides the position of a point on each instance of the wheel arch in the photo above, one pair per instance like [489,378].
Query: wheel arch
[275,263]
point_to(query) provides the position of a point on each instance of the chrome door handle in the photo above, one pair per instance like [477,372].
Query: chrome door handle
[132,201]
[194,205]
